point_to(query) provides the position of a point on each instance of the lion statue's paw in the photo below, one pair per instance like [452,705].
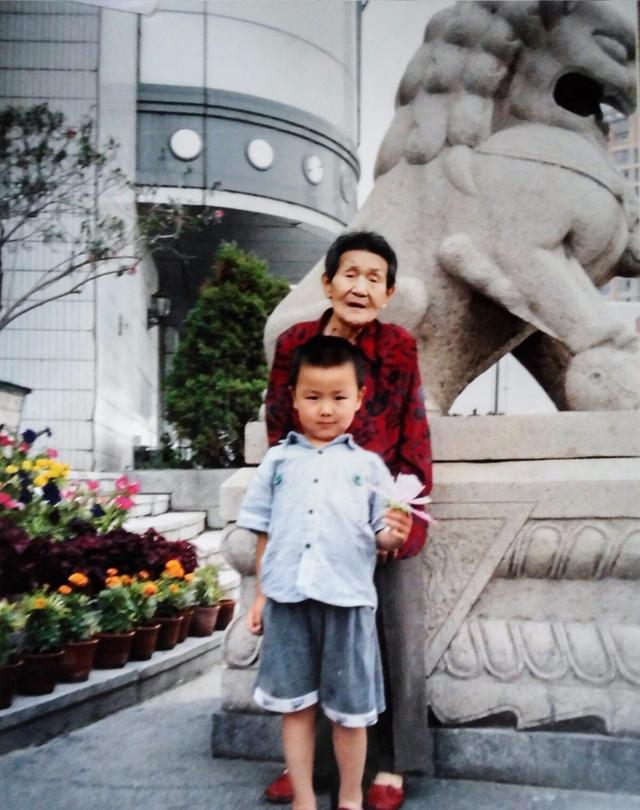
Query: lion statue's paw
[604,379]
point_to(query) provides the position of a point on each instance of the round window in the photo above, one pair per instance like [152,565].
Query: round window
[185,144]
[313,169]
[260,154]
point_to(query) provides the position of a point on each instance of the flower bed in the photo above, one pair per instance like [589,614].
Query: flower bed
[69,572]
[51,528]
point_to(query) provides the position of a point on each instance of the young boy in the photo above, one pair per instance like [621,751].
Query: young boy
[320,519]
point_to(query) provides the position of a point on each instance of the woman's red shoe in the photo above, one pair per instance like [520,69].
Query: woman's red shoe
[280,791]
[384,797]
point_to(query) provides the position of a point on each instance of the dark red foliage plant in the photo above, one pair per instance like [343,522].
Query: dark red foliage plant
[13,543]
[44,561]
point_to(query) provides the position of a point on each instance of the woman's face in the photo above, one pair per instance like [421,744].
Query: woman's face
[358,291]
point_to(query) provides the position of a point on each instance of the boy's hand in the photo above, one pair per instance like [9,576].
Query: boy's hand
[254,616]
[397,530]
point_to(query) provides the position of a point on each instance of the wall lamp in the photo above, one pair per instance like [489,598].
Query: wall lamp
[158,309]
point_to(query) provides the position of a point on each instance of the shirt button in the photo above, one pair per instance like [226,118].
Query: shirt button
[310,511]
[315,480]
[307,545]
[319,452]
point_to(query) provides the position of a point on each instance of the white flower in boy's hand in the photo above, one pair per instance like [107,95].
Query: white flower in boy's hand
[403,495]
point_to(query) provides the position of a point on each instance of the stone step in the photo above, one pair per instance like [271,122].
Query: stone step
[172,525]
[208,545]
[149,504]
[189,490]
[146,503]
[574,766]
[34,720]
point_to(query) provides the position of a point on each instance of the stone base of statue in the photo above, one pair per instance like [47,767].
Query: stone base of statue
[533,603]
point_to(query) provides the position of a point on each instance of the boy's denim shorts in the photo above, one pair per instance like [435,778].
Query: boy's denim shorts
[318,653]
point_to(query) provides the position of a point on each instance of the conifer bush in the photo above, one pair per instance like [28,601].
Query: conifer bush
[219,371]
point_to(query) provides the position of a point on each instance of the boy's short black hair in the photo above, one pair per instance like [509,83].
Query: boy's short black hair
[326,351]
[361,240]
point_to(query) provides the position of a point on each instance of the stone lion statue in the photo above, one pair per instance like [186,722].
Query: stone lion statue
[494,185]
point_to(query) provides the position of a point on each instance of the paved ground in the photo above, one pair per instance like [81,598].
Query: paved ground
[156,755]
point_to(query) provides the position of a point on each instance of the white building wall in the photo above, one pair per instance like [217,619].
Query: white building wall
[52,56]
[89,358]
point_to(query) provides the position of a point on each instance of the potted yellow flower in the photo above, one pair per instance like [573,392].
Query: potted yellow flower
[117,614]
[41,641]
[10,622]
[207,595]
[79,627]
[144,595]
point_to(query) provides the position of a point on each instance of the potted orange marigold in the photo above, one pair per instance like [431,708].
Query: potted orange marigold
[42,642]
[79,627]
[117,615]
[174,598]
[144,595]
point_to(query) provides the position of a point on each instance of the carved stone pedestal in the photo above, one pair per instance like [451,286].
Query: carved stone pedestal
[532,581]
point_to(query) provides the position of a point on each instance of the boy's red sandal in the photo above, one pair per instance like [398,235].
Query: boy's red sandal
[280,791]
[384,797]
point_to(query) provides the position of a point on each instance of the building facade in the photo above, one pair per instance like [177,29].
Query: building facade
[251,108]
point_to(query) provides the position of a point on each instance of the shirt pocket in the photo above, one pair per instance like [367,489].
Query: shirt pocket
[358,490]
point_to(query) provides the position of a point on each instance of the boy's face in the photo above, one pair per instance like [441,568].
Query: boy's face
[358,291]
[326,400]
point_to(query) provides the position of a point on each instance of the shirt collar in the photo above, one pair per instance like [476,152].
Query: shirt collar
[293,437]
[367,340]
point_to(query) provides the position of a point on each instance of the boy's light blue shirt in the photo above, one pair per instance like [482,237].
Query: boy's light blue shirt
[321,514]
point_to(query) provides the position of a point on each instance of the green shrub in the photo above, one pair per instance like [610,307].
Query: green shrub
[219,371]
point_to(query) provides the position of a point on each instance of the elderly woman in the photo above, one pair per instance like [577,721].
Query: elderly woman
[359,280]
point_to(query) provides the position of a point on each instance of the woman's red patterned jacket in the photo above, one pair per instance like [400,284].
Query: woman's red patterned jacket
[392,420]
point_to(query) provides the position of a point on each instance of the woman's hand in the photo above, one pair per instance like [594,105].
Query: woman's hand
[254,616]
[395,533]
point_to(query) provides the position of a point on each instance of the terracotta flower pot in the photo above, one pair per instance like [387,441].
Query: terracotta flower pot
[39,673]
[77,660]
[187,617]
[204,620]
[169,630]
[144,642]
[8,682]
[113,650]
[227,609]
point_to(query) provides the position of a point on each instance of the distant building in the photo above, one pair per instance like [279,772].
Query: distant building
[624,146]
[250,107]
